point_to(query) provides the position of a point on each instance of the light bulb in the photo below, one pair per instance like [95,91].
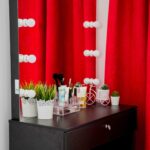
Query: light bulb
[86,53]
[32,58]
[31,93]
[86,24]
[30,22]
[86,80]
[96,53]
[96,81]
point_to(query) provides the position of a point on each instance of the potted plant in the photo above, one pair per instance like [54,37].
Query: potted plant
[45,95]
[28,101]
[103,92]
[115,96]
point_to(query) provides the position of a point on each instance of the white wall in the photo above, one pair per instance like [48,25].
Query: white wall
[101,35]
[5,102]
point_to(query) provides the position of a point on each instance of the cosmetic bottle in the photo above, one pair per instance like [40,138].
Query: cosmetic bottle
[81,94]
[74,101]
[67,94]
[74,97]
[61,95]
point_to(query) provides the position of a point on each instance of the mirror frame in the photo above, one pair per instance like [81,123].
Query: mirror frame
[13,14]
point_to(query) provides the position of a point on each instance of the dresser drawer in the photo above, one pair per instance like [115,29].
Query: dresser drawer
[87,137]
[101,132]
[122,123]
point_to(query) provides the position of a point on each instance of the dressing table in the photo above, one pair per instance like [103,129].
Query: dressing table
[94,128]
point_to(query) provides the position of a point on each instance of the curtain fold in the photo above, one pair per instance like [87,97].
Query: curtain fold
[78,41]
[127,56]
[54,62]
[90,37]
[32,40]
[58,40]
[148,87]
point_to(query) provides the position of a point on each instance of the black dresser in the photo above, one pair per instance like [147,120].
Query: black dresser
[94,128]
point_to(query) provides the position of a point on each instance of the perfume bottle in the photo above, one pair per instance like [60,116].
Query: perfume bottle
[81,94]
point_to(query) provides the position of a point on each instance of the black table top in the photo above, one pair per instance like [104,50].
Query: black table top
[78,119]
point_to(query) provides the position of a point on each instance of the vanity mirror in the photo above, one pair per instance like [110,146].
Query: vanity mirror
[57,37]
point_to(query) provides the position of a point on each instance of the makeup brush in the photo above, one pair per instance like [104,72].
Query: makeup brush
[69,82]
[61,78]
[55,77]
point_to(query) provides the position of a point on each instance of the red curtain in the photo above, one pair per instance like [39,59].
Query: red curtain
[32,40]
[148,87]
[128,59]
[58,39]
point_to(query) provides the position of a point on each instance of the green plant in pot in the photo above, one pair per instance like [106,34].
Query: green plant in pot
[104,87]
[45,95]
[28,100]
[115,97]
[103,94]
[115,94]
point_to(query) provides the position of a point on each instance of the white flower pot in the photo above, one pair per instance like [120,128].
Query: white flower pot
[45,109]
[103,94]
[29,107]
[115,100]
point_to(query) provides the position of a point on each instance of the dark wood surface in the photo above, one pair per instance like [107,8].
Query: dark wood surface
[79,119]
[27,137]
[84,130]
[96,133]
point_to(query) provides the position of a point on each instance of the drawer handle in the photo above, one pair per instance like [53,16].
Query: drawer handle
[108,126]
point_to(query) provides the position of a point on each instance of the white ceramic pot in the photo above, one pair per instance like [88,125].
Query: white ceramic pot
[115,100]
[45,109]
[29,107]
[103,94]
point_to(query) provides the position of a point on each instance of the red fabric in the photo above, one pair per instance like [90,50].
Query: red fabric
[32,40]
[90,36]
[58,39]
[127,57]
[148,89]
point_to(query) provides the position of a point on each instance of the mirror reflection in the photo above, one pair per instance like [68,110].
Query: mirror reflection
[57,55]
[57,37]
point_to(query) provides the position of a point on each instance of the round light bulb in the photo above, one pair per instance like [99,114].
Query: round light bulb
[96,53]
[32,58]
[96,24]
[31,22]
[21,58]
[20,23]
[91,24]
[86,81]
[86,53]
[25,58]
[24,21]
[86,24]
[96,81]
[91,53]
[31,93]
[91,81]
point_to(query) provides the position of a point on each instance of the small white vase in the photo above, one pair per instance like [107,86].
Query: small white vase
[103,94]
[115,100]
[29,107]
[45,109]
